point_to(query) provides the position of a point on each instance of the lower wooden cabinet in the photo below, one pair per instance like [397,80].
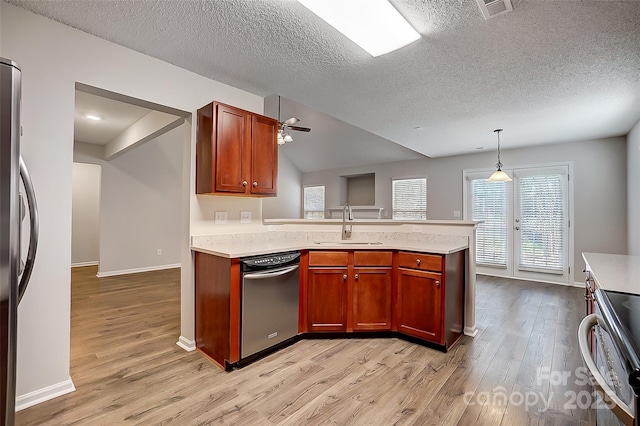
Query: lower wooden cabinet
[371,299]
[327,299]
[416,294]
[217,308]
[421,296]
[419,306]
[430,296]
[349,291]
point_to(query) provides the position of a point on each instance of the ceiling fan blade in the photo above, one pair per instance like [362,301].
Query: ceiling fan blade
[290,121]
[299,129]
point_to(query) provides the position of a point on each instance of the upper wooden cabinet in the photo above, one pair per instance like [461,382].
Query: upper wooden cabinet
[236,152]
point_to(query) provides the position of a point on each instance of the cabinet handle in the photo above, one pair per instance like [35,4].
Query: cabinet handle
[418,262]
[517,228]
[255,184]
[344,277]
[356,276]
[437,283]
[244,183]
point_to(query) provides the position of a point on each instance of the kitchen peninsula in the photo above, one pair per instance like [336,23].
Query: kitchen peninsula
[413,279]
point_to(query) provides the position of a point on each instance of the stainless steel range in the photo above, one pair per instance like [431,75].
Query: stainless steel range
[613,355]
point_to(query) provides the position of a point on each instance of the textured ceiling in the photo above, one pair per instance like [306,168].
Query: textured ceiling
[548,72]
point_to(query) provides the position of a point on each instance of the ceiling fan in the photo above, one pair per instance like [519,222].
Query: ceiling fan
[286,125]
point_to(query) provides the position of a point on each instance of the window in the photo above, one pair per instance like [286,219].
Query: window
[314,202]
[489,207]
[409,199]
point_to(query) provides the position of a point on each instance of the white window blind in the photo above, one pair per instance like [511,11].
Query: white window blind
[409,199]
[314,202]
[489,205]
[542,222]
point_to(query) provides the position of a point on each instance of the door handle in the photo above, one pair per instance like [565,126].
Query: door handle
[344,277]
[356,276]
[263,275]
[621,410]
[255,184]
[437,283]
[244,183]
[33,225]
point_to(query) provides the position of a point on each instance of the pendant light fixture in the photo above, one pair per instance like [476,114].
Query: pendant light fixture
[499,175]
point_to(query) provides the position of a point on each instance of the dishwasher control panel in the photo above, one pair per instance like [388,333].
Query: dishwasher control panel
[269,261]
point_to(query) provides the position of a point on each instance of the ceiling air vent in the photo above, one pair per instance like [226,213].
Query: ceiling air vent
[493,8]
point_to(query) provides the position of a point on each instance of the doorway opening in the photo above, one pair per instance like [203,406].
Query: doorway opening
[525,225]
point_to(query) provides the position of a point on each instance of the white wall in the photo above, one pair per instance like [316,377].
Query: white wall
[140,204]
[600,191]
[85,228]
[53,57]
[633,189]
[288,203]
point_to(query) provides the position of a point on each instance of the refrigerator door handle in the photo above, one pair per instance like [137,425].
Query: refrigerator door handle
[33,225]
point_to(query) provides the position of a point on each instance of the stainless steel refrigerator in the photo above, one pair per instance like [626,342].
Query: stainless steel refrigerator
[14,273]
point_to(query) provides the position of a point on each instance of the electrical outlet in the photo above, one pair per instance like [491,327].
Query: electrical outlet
[416,228]
[220,218]
[456,214]
[245,217]
[271,228]
[159,252]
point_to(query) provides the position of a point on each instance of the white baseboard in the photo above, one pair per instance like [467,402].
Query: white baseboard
[137,270]
[186,344]
[80,264]
[471,331]
[41,395]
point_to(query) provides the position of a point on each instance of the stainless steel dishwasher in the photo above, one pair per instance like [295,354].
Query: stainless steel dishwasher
[270,288]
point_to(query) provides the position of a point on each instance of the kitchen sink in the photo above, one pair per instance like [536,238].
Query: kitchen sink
[348,242]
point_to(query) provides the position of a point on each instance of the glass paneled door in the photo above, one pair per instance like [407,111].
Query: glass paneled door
[541,223]
[524,229]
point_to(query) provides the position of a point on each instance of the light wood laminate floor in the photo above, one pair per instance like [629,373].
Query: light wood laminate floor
[128,370]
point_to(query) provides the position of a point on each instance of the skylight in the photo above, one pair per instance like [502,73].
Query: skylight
[374,25]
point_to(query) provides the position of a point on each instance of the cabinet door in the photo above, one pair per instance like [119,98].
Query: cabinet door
[326,299]
[419,306]
[372,299]
[232,156]
[264,155]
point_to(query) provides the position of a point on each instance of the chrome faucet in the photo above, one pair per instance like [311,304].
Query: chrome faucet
[346,233]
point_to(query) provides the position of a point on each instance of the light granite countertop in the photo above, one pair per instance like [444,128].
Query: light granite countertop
[240,245]
[614,272]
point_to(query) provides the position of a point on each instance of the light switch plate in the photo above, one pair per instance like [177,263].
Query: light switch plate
[220,218]
[245,217]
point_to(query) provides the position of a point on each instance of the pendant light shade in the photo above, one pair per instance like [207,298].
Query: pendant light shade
[499,175]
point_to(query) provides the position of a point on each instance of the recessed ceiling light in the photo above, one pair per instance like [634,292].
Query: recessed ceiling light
[94,117]
[374,25]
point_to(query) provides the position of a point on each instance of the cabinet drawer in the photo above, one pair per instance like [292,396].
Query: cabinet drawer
[328,258]
[426,262]
[372,258]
